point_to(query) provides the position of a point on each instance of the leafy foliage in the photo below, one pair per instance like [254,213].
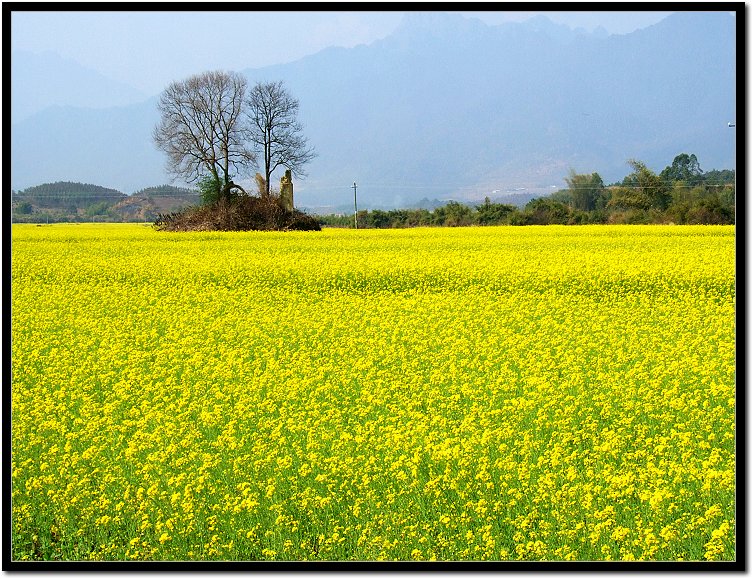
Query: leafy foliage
[69,196]
[641,197]
[163,191]
[493,213]
[210,189]
[684,168]
[24,208]
[69,188]
[586,191]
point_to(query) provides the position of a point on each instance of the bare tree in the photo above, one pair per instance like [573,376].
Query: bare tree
[275,131]
[202,129]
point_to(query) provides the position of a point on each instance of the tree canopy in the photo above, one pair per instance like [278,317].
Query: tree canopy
[587,191]
[684,168]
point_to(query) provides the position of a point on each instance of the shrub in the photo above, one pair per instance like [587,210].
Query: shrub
[244,213]
[209,187]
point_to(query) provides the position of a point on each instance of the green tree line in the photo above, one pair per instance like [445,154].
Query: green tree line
[165,191]
[66,195]
[68,187]
[682,193]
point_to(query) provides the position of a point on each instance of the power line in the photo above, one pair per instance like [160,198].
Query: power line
[87,195]
[479,187]
[78,196]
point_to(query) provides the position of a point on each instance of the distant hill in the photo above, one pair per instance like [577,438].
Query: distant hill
[112,145]
[68,201]
[146,204]
[44,79]
[450,108]
[166,191]
[67,195]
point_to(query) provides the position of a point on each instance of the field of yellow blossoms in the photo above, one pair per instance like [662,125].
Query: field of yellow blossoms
[500,393]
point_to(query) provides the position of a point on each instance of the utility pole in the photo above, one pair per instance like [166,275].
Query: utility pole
[355,204]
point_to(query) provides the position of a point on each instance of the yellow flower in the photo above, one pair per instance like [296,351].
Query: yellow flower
[480,392]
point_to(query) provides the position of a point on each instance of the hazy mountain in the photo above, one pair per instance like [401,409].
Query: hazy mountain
[451,107]
[111,147]
[45,79]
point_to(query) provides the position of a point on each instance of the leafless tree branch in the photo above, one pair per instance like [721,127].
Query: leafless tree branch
[275,132]
[201,128]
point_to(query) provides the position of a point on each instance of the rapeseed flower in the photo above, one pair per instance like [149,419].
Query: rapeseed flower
[547,393]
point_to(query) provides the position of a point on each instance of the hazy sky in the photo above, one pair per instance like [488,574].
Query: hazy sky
[148,50]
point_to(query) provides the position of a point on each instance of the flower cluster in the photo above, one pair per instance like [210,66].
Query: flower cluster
[539,393]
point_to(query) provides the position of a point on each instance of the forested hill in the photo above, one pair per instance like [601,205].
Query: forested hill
[69,201]
[66,193]
[67,188]
[166,191]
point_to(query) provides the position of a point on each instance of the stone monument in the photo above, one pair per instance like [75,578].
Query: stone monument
[286,191]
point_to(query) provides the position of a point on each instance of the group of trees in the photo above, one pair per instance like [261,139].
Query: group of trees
[682,193]
[453,214]
[65,194]
[65,201]
[214,129]
[164,191]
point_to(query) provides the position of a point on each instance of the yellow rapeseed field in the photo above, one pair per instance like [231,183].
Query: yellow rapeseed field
[500,393]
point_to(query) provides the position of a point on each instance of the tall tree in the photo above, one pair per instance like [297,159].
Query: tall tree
[685,168]
[648,185]
[202,129]
[585,190]
[276,133]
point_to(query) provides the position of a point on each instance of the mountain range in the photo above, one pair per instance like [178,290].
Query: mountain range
[444,107]
[65,82]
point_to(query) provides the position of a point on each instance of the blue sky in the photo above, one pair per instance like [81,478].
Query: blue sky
[147,50]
